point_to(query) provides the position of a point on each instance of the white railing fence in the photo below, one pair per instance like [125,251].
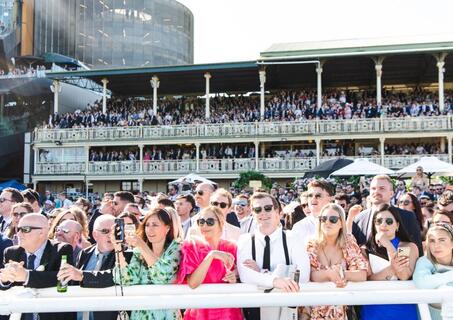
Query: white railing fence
[22,300]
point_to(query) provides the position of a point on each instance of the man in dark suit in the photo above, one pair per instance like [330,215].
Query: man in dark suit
[95,263]
[4,243]
[35,261]
[381,192]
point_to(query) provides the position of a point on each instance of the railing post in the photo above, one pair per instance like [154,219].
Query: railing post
[87,159]
[141,157]
[382,150]
[318,151]
[257,154]
[197,157]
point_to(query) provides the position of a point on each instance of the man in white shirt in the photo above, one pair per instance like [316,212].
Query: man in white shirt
[241,207]
[184,205]
[266,257]
[319,193]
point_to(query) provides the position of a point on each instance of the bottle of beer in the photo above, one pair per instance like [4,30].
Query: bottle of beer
[62,286]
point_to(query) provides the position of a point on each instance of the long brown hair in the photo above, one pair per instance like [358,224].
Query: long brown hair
[164,217]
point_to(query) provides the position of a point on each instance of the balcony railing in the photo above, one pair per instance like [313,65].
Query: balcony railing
[237,130]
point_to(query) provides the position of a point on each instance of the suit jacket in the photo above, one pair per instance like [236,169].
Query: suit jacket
[51,260]
[94,216]
[99,279]
[360,227]
[4,243]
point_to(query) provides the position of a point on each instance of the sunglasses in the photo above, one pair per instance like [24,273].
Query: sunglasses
[103,231]
[27,229]
[209,222]
[267,208]
[405,202]
[19,214]
[4,199]
[304,205]
[199,192]
[240,203]
[222,205]
[388,221]
[332,219]
[64,230]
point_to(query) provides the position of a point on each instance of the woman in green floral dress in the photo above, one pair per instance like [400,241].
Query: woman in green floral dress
[155,258]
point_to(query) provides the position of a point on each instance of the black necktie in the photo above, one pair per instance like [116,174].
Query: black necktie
[267,254]
[31,262]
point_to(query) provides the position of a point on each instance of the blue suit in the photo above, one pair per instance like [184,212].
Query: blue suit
[4,243]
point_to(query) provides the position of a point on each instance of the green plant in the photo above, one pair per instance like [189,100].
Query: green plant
[447,180]
[244,178]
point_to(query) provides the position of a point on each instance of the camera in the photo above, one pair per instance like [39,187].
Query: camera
[119,230]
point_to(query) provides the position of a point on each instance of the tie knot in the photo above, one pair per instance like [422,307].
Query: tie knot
[267,238]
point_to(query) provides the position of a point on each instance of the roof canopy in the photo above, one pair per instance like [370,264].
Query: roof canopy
[347,63]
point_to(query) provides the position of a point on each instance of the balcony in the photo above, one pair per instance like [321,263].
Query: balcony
[175,168]
[245,130]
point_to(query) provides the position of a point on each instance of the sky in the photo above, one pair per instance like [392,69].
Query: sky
[238,30]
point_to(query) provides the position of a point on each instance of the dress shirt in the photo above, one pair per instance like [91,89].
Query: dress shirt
[248,224]
[5,223]
[186,226]
[38,256]
[92,262]
[305,230]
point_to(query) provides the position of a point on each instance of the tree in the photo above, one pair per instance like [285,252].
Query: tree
[245,177]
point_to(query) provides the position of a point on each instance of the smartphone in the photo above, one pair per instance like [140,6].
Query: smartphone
[404,251]
[119,230]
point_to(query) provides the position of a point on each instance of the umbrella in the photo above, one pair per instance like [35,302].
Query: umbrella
[192,178]
[12,184]
[327,167]
[362,167]
[431,166]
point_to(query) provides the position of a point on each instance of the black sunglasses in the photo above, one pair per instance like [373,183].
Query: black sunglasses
[103,231]
[222,205]
[199,192]
[267,208]
[388,221]
[209,222]
[27,229]
[405,202]
[332,219]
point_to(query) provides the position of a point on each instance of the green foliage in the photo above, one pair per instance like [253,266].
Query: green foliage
[244,178]
[447,180]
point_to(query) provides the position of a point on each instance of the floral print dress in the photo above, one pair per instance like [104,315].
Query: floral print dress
[163,271]
[352,260]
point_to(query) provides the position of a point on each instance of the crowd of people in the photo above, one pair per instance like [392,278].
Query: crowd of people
[322,232]
[280,106]
[23,71]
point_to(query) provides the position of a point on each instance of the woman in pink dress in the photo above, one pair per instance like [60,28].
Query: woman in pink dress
[209,259]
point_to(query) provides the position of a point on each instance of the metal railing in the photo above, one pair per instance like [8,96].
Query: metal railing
[238,130]
[150,297]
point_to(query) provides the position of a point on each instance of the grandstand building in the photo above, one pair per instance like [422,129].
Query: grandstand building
[62,157]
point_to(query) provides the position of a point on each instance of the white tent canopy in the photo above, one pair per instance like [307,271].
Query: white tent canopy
[431,166]
[362,167]
[192,178]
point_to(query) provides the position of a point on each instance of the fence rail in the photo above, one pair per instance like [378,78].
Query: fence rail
[250,129]
[20,300]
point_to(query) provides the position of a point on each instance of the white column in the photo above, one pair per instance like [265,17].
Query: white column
[141,157]
[262,74]
[104,95]
[87,185]
[450,148]
[56,89]
[155,84]
[207,77]
[35,184]
[382,150]
[440,67]
[140,184]
[87,159]
[257,155]
[378,66]
[197,157]
[36,158]
[318,151]
[319,86]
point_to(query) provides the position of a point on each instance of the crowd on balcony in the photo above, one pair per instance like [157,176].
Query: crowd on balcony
[203,234]
[23,71]
[280,106]
[412,148]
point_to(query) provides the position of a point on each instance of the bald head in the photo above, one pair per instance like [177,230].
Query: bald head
[69,231]
[71,225]
[32,232]
[203,194]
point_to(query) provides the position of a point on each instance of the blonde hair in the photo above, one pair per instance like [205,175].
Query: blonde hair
[79,215]
[341,239]
[445,227]
[178,232]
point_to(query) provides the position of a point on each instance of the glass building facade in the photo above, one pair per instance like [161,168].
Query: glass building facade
[115,33]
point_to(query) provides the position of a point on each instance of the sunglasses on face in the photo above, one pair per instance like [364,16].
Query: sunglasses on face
[103,231]
[304,205]
[64,230]
[388,221]
[27,229]
[199,192]
[331,219]
[405,202]
[222,205]
[19,214]
[266,208]
[209,222]
[240,203]
[4,199]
